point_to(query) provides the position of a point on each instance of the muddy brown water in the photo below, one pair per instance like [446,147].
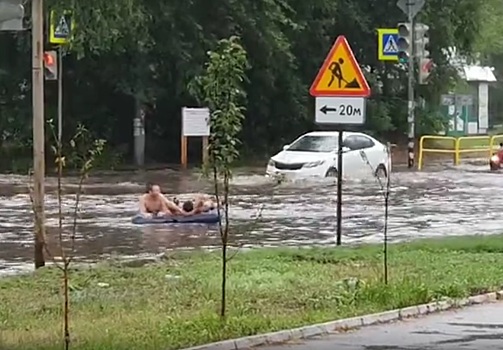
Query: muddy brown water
[439,201]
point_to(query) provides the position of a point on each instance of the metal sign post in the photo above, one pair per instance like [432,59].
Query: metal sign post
[60,95]
[60,33]
[340,89]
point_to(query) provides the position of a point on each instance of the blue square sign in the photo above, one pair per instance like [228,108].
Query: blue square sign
[387,44]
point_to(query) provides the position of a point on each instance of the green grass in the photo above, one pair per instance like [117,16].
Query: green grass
[269,289]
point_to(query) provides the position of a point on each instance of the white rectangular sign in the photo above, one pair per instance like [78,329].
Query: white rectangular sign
[195,121]
[340,110]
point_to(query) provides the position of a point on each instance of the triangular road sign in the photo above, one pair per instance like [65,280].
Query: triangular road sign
[340,74]
[62,29]
[390,46]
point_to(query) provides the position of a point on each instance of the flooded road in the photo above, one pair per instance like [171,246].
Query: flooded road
[435,202]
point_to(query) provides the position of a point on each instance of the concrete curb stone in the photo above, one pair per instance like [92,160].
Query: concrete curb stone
[347,324]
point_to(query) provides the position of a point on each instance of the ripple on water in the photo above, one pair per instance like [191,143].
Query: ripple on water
[434,203]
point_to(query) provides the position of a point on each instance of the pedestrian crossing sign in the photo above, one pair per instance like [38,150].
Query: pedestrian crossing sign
[387,47]
[61,28]
[390,46]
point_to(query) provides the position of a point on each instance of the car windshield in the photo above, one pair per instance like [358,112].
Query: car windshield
[311,143]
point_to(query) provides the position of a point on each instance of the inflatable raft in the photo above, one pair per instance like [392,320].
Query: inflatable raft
[210,217]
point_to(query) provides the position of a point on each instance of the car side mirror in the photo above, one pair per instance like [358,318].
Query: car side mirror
[345,149]
[285,147]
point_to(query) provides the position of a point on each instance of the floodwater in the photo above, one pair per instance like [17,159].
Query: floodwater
[438,201]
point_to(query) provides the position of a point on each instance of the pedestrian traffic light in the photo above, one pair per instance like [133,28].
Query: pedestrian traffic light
[404,42]
[422,40]
[50,65]
[11,15]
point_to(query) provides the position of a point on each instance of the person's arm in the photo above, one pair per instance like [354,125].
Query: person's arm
[199,206]
[172,207]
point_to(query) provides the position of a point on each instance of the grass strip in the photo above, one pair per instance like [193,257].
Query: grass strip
[174,304]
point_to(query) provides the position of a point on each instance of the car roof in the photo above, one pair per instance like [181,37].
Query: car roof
[333,133]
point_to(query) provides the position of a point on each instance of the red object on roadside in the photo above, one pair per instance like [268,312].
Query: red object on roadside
[48,59]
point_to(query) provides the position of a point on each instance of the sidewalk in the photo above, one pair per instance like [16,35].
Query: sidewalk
[472,328]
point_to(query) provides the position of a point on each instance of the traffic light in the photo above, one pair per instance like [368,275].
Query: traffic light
[422,40]
[421,51]
[404,42]
[11,15]
[50,65]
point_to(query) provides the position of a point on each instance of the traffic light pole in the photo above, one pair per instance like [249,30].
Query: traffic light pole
[411,103]
[37,19]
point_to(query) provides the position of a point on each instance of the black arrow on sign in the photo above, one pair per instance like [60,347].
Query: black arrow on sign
[326,109]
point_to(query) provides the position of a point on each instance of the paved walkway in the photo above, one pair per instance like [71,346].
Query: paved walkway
[472,328]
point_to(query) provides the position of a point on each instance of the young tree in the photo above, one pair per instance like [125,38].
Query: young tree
[385,187]
[85,152]
[220,87]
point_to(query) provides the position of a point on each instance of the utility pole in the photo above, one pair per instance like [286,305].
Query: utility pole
[37,20]
[410,99]
[406,54]
[139,133]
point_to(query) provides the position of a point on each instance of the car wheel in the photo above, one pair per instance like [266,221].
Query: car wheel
[332,172]
[381,171]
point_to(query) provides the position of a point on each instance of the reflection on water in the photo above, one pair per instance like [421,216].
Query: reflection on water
[431,203]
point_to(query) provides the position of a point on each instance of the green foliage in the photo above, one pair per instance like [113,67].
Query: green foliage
[103,27]
[489,39]
[86,155]
[221,89]
[431,119]
[490,47]
[82,152]
[131,54]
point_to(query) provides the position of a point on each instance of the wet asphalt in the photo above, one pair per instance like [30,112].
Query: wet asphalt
[472,328]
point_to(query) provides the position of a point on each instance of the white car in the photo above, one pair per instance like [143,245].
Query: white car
[315,154]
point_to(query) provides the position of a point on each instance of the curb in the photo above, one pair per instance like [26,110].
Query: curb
[347,324]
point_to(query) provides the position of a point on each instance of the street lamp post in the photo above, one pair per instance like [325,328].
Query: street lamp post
[37,18]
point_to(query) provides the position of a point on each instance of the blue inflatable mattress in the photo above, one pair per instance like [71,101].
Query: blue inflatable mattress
[210,217]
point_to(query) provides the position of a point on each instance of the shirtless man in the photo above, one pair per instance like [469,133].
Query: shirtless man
[200,204]
[153,203]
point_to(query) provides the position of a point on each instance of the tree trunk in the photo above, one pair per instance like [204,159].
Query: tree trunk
[224,280]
